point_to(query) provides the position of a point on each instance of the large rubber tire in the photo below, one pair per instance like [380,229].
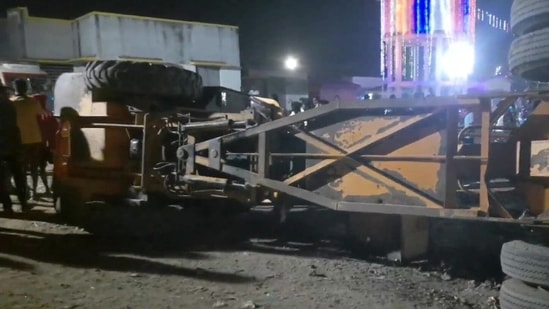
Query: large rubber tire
[515,294]
[529,15]
[527,262]
[529,56]
[69,90]
[141,78]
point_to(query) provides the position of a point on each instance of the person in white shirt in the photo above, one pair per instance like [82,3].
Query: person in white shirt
[469,119]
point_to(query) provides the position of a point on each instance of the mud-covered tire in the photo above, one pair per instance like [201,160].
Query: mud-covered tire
[526,262]
[515,294]
[529,56]
[529,15]
[69,90]
[142,78]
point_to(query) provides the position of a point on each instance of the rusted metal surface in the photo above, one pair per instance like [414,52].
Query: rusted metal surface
[87,157]
[400,157]
[485,107]
[151,153]
[533,161]
[102,131]
[406,210]
[450,173]
[382,181]
[348,178]
[531,166]
[539,159]
[408,162]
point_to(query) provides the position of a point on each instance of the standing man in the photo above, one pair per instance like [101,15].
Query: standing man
[28,112]
[297,107]
[48,127]
[10,154]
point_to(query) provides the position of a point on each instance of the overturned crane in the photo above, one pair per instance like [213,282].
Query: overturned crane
[183,143]
[122,126]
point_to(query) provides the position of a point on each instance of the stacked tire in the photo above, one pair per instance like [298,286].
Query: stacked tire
[529,52]
[527,265]
[125,79]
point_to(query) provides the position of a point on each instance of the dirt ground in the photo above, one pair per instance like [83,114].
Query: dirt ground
[143,258]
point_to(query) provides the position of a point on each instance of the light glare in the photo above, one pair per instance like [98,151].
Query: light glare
[459,60]
[291,63]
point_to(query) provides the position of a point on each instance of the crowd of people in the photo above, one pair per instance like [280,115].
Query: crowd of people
[26,143]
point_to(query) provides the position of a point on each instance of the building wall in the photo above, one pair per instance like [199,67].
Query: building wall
[85,37]
[15,34]
[4,39]
[231,78]
[210,75]
[212,49]
[213,44]
[48,39]
[170,41]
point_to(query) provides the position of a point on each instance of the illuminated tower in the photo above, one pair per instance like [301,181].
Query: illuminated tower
[427,45]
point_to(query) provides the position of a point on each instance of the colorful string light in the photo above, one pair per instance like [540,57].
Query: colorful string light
[417,33]
[452,17]
[493,20]
[420,38]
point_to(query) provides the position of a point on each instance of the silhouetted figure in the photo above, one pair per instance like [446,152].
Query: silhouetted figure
[297,107]
[48,128]
[10,154]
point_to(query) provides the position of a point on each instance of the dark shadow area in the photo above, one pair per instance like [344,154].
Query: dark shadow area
[306,233]
[462,249]
[84,251]
[471,250]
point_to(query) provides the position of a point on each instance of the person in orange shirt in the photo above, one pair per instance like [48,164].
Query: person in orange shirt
[28,111]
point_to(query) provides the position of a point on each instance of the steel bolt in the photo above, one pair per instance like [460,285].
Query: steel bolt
[180,153]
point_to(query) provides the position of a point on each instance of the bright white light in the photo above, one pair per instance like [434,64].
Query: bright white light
[459,60]
[291,63]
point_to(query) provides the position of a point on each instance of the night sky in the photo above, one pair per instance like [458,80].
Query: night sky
[331,37]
